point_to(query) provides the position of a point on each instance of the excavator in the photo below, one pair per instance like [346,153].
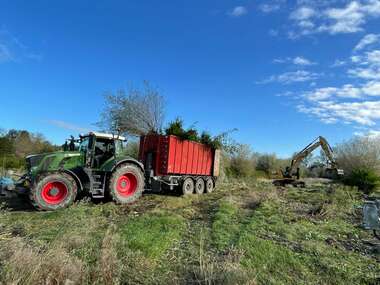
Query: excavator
[291,175]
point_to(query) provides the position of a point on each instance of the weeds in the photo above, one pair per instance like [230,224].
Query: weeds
[243,233]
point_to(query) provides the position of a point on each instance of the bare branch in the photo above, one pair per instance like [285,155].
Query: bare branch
[138,112]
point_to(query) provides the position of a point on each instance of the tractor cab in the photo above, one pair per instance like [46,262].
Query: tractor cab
[98,148]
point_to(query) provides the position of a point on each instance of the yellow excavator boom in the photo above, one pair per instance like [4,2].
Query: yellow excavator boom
[293,169]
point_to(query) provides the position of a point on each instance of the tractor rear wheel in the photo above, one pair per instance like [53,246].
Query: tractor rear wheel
[53,192]
[126,184]
[188,186]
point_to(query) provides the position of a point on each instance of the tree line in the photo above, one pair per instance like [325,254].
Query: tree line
[16,144]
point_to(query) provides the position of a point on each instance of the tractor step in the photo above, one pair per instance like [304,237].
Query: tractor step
[97,193]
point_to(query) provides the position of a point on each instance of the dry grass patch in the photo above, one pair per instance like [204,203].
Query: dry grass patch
[109,265]
[25,264]
[220,269]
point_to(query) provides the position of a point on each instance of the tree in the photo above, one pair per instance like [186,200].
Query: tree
[240,163]
[23,144]
[359,152]
[267,163]
[6,146]
[136,112]
[360,160]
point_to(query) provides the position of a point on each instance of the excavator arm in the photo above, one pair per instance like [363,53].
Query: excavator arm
[300,156]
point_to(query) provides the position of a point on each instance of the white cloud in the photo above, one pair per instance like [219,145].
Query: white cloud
[371,134]
[349,91]
[273,33]
[372,88]
[5,54]
[303,13]
[365,73]
[68,126]
[280,60]
[345,104]
[344,20]
[357,103]
[355,58]
[374,57]
[321,94]
[367,66]
[298,60]
[334,20]
[346,91]
[366,41]
[338,63]
[268,8]
[362,113]
[238,11]
[12,49]
[292,77]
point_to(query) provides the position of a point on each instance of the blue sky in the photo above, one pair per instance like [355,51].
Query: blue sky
[282,72]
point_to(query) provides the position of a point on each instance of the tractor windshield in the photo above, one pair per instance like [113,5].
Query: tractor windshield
[119,147]
[83,146]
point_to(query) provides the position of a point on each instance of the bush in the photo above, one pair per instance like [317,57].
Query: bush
[12,162]
[359,153]
[267,163]
[240,162]
[365,179]
[176,128]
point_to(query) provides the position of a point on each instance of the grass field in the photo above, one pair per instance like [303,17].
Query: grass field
[243,233]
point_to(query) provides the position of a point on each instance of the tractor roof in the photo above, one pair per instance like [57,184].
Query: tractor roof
[105,136]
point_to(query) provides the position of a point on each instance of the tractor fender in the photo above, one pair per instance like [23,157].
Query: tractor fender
[129,160]
[76,178]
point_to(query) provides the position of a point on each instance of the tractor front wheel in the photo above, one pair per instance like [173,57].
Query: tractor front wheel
[53,192]
[126,184]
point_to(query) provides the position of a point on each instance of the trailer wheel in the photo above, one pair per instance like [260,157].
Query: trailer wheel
[199,186]
[53,192]
[188,186]
[126,184]
[209,185]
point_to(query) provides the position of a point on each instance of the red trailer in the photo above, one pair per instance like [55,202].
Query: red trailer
[171,161]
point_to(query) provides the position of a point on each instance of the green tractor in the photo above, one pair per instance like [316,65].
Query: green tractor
[94,164]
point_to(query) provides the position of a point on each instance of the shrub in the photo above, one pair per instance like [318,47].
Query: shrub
[176,128]
[266,163]
[359,153]
[241,163]
[365,179]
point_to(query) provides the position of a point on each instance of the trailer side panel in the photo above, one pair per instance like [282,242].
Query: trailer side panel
[173,156]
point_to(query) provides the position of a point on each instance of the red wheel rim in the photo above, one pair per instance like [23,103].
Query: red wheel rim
[126,185]
[54,192]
